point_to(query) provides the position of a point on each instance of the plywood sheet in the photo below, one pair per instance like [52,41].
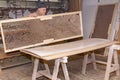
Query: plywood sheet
[103,21]
[29,32]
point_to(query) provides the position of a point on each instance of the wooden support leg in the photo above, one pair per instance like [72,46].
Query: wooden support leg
[85,62]
[56,69]
[93,61]
[46,72]
[116,63]
[36,63]
[47,69]
[63,62]
[109,61]
[112,67]
[65,70]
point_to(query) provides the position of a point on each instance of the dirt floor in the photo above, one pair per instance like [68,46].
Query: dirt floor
[24,72]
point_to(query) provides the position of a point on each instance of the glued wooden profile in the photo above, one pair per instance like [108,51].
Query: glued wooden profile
[29,32]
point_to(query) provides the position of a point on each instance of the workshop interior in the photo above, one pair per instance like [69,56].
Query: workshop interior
[59,39]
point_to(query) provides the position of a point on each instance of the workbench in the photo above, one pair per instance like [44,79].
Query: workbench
[60,53]
[44,30]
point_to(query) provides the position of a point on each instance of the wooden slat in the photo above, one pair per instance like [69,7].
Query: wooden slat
[103,20]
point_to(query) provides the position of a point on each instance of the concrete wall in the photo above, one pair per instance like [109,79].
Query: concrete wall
[89,11]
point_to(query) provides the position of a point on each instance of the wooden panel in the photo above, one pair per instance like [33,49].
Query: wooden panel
[103,21]
[29,32]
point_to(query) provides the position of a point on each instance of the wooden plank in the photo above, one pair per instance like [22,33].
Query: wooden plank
[104,23]
[40,30]
[68,49]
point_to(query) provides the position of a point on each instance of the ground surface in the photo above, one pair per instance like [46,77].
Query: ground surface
[24,72]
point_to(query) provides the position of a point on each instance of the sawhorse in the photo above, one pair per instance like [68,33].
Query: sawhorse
[47,73]
[111,67]
[59,51]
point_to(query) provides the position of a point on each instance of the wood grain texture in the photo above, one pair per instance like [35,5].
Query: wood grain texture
[103,20]
[24,33]
[68,49]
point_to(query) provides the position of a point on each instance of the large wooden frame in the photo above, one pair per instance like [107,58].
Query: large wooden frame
[110,25]
[28,31]
[100,28]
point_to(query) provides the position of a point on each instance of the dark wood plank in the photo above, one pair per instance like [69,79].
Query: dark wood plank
[103,20]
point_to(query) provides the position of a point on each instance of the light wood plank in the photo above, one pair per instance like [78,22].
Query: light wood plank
[68,49]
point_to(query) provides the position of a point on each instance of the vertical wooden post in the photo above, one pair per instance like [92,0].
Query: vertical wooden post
[36,63]
[47,68]
[109,61]
[65,71]
[116,62]
[85,61]
[56,69]
[112,55]
[93,61]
